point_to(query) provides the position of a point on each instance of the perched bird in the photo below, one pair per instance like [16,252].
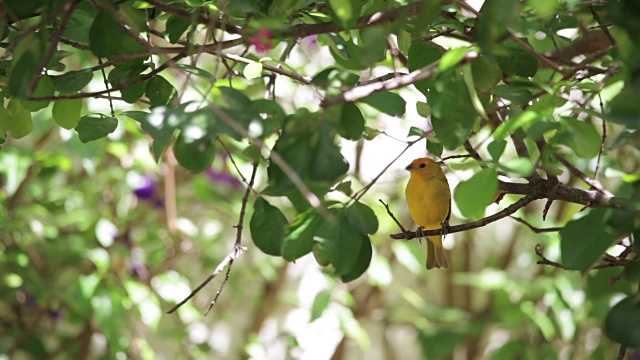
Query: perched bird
[429,199]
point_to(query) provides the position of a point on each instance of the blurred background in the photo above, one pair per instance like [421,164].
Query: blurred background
[90,265]
[98,241]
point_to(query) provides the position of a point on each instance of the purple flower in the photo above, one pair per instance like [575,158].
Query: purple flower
[311,40]
[54,315]
[223,178]
[146,189]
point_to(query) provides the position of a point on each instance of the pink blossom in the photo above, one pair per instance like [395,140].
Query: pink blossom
[262,40]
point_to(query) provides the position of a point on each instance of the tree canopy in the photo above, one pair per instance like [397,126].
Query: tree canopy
[151,146]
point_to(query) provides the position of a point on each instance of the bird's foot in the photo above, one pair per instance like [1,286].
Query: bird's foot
[445,229]
[420,234]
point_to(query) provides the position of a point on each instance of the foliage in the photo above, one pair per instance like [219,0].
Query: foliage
[530,99]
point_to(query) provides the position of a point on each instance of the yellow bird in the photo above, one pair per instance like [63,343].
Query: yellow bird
[429,199]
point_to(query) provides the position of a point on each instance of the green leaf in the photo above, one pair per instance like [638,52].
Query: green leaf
[193,152]
[584,240]
[335,78]
[516,94]
[434,147]
[362,262]
[24,70]
[453,115]
[420,55]
[414,131]
[321,258]
[108,40]
[486,72]
[159,91]
[253,70]
[196,71]
[515,122]
[298,239]
[370,49]
[175,27]
[20,124]
[272,115]
[340,241]
[312,154]
[451,58]
[133,93]
[428,13]
[345,12]
[66,113]
[194,148]
[494,19]
[371,133]
[73,81]
[623,322]
[496,148]
[23,9]
[517,61]
[475,194]
[387,102]
[345,187]
[78,26]
[519,166]
[267,227]
[93,127]
[351,122]
[5,123]
[44,88]
[423,109]
[625,108]
[363,218]
[320,304]
[584,140]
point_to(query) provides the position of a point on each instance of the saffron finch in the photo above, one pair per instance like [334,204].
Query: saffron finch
[429,199]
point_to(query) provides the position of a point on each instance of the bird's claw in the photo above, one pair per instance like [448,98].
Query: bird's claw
[445,229]
[420,234]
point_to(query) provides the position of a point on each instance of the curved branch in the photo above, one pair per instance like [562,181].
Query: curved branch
[472,225]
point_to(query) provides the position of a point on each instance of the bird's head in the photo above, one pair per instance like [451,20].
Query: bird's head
[425,167]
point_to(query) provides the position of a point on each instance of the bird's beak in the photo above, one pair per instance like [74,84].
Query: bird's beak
[409,167]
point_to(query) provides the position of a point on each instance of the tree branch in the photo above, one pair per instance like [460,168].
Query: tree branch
[360,92]
[472,225]
[227,262]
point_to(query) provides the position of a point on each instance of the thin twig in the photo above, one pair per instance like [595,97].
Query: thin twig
[392,216]
[366,188]
[55,39]
[106,85]
[604,137]
[533,228]
[456,157]
[544,261]
[232,255]
[582,176]
[604,29]
[536,54]
[238,249]
[382,78]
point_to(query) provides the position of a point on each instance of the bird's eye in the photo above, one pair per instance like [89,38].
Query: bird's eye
[422,165]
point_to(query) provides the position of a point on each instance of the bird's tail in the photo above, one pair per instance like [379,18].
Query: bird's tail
[436,257]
